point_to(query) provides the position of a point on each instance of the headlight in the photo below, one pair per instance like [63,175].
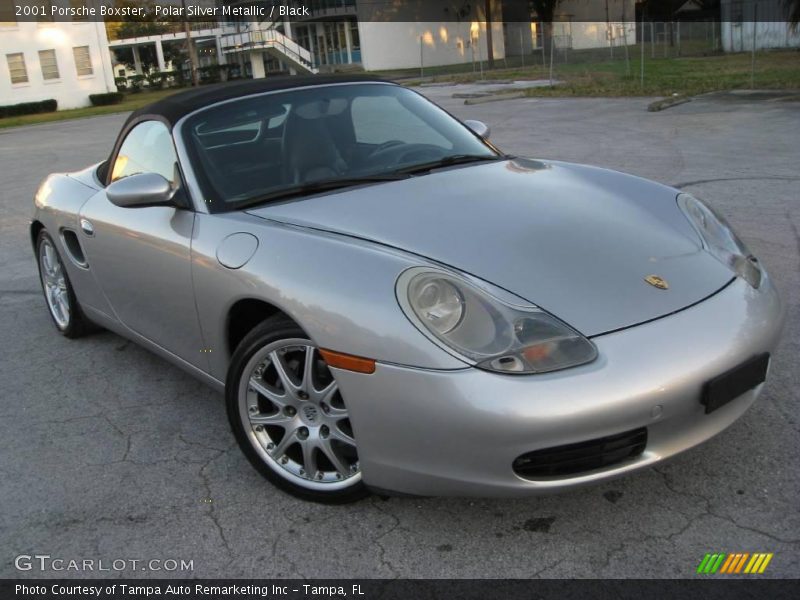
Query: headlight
[485,331]
[720,240]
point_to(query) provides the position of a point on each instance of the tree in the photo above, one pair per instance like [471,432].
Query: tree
[130,27]
[793,12]
[489,45]
[545,10]
[191,50]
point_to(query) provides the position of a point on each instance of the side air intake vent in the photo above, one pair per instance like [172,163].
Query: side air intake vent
[562,461]
[73,247]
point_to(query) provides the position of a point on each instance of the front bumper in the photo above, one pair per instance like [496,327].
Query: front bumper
[457,433]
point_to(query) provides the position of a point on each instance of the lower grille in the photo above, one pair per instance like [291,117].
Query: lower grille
[583,456]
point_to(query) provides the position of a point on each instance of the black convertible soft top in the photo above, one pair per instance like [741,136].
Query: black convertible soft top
[172,108]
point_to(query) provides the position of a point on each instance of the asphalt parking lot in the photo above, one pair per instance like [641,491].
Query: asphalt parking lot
[107,452]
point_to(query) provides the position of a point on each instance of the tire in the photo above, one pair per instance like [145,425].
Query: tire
[59,295]
[289,417]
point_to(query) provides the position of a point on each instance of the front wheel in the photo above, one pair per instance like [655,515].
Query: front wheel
[58,292]
[289,417]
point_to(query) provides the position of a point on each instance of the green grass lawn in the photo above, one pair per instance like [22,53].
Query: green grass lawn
[131,102]
[686,76]
[592,75]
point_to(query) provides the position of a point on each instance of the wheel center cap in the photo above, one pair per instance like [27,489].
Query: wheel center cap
[310,414]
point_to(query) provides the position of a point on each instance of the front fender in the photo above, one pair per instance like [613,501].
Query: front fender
[57,204]
[340,290]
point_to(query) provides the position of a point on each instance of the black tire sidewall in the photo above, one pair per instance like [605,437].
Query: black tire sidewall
[270,331]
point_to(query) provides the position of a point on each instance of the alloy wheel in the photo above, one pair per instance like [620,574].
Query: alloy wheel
[295,417]
[55,283]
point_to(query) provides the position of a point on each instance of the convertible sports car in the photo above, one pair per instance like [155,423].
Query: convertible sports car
[391,303]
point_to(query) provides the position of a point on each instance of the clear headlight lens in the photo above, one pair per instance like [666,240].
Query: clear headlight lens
[720,240]
[488,332]
[438,303]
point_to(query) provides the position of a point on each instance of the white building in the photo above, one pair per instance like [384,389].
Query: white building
[374,36]
[370,35]
[49,60]
[762,23]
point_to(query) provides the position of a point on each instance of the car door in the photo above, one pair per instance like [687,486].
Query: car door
[141,256]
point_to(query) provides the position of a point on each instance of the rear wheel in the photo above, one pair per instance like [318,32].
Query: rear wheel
[58,292]
[289,416]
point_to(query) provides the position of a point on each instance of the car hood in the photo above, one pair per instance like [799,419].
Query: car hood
[577,241]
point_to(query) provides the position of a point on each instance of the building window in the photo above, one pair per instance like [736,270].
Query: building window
[47,60]
[355,39]
[16,66]
[83,60]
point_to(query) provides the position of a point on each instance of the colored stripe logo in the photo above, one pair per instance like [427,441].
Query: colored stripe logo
[736,563]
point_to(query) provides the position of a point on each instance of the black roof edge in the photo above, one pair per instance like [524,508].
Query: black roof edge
[172,108]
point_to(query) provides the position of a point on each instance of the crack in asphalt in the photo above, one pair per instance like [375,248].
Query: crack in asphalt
[377,539]
[286,558]
[538,574]
[212,511]
[709,512]
[794,229]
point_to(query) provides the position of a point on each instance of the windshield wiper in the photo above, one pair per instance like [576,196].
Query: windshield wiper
[453,159]
[323,185]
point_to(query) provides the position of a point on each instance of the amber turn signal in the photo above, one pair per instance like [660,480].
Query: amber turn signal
[348,361]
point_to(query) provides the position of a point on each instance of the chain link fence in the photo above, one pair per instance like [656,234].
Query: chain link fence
[739,42]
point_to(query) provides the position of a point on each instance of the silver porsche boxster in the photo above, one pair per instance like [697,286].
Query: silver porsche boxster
[391,303]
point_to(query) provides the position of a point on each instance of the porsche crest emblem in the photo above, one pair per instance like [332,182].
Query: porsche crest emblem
[657,281]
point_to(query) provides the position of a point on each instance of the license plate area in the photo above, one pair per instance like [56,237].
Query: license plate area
[732,384]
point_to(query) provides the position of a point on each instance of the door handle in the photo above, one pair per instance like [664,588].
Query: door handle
[87,227]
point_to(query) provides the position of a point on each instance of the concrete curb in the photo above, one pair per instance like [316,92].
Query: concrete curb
[665,103]
[494,98]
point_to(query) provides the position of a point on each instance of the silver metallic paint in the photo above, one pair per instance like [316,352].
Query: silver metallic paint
[478,422]
[290,270]
[141,260]
[154,277]
[479,127]
[142,189]
[576,241]
[236,249]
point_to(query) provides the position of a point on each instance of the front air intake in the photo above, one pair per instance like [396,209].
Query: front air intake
[561,461]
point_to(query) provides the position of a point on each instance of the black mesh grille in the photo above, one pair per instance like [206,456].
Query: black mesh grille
[583,456]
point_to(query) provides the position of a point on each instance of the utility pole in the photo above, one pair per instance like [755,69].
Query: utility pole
[641,60]
[625,40]
[753,49]
[190,49]
[421,67]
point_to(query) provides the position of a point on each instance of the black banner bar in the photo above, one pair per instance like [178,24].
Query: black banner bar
[436,11]
[701,587]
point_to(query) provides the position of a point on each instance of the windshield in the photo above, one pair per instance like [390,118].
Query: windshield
[254,149]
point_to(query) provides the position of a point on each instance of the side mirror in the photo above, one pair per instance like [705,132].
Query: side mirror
[479,127]
[143,189]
